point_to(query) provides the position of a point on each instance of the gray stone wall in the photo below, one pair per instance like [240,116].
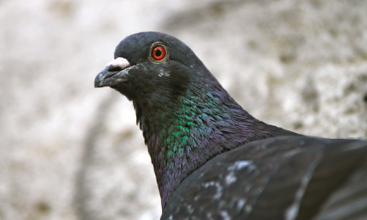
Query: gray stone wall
[70,151]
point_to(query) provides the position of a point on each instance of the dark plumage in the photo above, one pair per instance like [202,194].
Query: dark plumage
[213,160]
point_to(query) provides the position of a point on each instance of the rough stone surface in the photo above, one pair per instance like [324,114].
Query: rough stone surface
[69,151]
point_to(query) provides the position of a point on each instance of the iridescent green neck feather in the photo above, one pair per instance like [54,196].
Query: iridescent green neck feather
[198,126]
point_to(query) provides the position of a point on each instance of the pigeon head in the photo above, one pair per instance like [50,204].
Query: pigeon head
[150,68]
[186,116]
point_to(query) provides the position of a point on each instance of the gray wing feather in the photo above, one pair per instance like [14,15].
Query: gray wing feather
[292,178]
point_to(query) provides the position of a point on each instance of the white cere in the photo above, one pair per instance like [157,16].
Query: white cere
[119,62]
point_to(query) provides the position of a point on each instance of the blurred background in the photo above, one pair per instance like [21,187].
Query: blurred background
[70,151]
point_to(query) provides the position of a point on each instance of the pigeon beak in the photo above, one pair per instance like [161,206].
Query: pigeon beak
[116,71]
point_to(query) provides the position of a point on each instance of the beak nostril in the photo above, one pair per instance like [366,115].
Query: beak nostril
[114,68]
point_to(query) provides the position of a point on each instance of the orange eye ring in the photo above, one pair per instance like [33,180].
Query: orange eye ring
[158,53]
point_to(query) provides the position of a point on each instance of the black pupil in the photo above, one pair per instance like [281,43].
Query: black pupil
[158,53]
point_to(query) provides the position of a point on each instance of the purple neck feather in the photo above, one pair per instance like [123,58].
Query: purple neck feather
[201,125]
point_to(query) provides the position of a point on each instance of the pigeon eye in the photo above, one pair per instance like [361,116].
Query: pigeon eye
[158,53]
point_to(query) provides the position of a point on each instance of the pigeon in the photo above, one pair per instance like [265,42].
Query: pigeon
[213,160]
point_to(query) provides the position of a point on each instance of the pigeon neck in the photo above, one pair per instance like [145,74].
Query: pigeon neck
[197,128]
